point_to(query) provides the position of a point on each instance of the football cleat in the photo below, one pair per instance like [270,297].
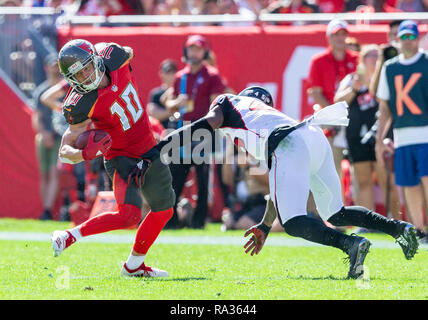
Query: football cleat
[357,252]
[408,240]
[143,271]
[60,241]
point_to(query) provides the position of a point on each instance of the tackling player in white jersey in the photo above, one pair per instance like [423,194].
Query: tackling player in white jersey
[300,160]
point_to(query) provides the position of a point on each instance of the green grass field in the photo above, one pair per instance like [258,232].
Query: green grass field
[202,265]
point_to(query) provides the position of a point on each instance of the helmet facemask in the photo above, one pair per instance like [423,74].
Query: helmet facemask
[88,84]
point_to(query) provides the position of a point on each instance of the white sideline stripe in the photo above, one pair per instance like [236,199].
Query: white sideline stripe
[201,240]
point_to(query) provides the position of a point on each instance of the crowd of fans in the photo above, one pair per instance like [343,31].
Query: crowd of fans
[213,7]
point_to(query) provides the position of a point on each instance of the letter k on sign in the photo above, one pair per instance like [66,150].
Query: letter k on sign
[403,93]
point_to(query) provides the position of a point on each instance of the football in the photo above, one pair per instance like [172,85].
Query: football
[82,139]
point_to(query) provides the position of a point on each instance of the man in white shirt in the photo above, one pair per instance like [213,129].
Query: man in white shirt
[403,101]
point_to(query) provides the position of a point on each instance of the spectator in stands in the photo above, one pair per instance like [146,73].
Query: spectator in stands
[330,6]
[353,44]
[352,5]
[195,87]
[403,101]
[47,140]
[376,6]
[386,180]
[362,115]
[410,5]
[174,7]
[210,7]
[156,107]
[105,8]
[249,189]
[293,6]
[327,69]
[149,7]
[234,7]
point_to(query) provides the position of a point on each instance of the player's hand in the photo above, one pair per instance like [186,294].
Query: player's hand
[257,240]
[383,149]
[95,149]
[138,172]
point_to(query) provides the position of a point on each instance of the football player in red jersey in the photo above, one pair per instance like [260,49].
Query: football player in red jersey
[104,95]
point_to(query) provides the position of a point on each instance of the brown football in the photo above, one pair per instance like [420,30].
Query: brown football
[82,139]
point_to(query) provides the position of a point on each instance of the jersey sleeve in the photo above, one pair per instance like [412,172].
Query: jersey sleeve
[76,107]
[383,89]
[231,117]
[114,55]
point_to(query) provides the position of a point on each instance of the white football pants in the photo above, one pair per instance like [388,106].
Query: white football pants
[303,161]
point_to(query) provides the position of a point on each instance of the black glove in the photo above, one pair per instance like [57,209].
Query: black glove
[138,172]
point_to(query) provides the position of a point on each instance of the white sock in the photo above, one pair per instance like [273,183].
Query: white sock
[75,232]
[134,262]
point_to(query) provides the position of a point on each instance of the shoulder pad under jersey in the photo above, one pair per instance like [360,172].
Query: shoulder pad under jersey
[114,55]
[76,106]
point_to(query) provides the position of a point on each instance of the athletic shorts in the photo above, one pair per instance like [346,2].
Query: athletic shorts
[303,162]
[361,152]
[157,187]
[410,164]
[48,157]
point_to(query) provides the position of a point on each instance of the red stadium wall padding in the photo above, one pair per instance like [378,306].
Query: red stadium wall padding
[275,56]
[19,174]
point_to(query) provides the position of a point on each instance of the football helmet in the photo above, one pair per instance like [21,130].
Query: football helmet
[73,57]
[259,93]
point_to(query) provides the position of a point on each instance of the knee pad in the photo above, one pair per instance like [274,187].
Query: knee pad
[130,214]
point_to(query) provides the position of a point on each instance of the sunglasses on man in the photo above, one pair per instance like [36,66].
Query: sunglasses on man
[408,37]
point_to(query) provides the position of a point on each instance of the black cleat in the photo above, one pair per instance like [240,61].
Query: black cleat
[408,241]
[356,255]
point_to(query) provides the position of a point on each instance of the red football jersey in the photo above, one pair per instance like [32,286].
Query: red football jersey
[116,109]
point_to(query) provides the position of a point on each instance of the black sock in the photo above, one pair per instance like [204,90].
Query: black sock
[363,217]
[316,231]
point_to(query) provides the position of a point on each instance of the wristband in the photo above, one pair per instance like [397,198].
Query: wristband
[264,228]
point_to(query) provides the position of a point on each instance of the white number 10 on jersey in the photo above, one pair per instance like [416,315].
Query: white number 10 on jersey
[136,111]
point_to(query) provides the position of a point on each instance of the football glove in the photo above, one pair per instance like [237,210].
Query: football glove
[138,172]
[95,149]
[255,244]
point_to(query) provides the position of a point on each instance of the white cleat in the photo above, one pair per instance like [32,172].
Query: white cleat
[60,241]
[143,271]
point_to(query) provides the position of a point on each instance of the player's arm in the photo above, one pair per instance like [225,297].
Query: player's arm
[130,51]
[176,139]
[384,123]
[67,152]
[52,96]
[317,94]
[213,120]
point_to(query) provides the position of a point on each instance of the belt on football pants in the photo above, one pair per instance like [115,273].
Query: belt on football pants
[277,135]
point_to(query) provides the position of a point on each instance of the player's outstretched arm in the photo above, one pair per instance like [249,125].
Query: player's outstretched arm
[260,231]
[212,121]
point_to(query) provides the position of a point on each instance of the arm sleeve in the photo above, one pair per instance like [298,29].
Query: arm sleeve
[113,54]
